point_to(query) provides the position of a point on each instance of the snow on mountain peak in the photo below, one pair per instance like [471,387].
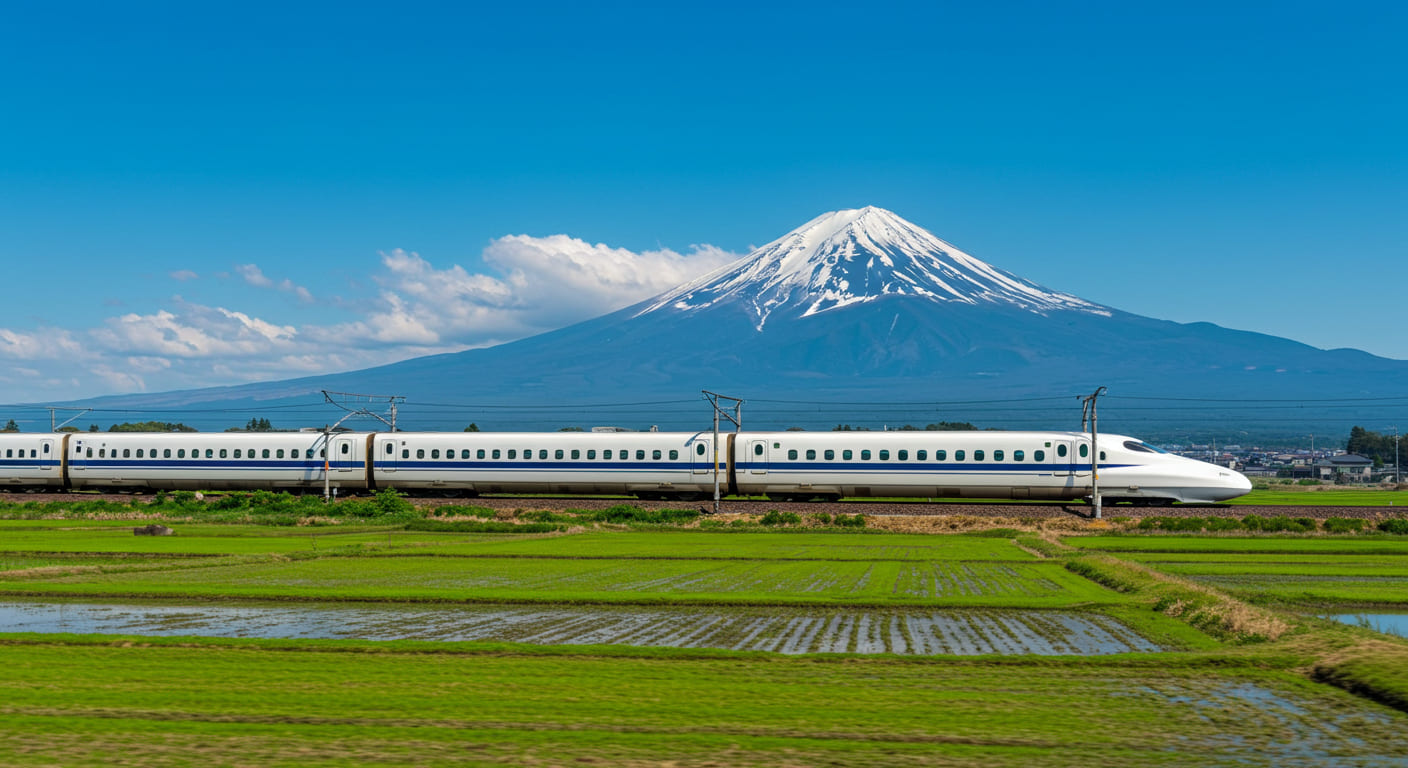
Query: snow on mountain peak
[854,256]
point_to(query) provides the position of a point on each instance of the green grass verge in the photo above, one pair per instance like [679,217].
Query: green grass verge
[1323,496]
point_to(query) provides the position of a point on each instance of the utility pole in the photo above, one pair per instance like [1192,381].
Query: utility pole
[1088,406]
[1396,468]
[737,418]
[341,400]
[53,427]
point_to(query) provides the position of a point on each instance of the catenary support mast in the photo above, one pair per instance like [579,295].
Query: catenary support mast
[737,418]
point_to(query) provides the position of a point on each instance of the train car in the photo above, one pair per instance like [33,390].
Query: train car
[650,465]
[989,464]
[216,461]
[31,460]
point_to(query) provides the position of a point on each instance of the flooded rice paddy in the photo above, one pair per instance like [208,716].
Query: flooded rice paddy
[781,630]
[1387,623]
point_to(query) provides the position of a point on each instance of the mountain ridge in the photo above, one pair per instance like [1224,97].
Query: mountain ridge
[856,305]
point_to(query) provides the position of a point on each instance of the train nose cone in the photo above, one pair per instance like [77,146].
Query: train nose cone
[1232,484]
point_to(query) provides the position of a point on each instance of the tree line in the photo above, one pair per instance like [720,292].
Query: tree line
[1376,446]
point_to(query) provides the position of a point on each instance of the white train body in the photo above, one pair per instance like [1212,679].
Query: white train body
[651,464]
[33,460]
[989,464]
[214,461]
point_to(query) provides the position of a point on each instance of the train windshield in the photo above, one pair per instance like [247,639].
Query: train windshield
[1135,445]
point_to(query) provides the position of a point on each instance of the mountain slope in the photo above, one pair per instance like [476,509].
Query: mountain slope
[854,305]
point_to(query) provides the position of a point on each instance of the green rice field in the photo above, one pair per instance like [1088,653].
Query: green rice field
[242,644]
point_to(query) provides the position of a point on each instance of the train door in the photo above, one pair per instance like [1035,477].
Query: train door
[1067,462]
[344,457]
[758,457]
[700,457]
[78,461]
[388,457]
[48,459]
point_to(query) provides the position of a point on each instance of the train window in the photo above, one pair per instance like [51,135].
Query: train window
[758,449]
[405,453]
[997,455]
[390,449]
[1061,450]
[978,455]
[699,449]
[435,453]
[513,453]
[655,455]
[1019,455]
[237,453]
[921,455]
[1038,455]
[959,455]
[263,454]
[543,454]
[829,454]
[640,455]
[280,454]
[323,452]
[180,453]
[464,453]
[346,448]
[126,453]
[792,454]
[940,455]
[479,454]
[420,453]
[811,454]
[884,455]
[495,453]
[1084,450]
[674,454]
[606,454]
[1102,455]
[865,455]
[576,454]
[140,453]
[558,454]
[166,453]
[904,455]
[1135,445]
[310,453]
[591,453]
[223,453]
[102,453]
[846,454]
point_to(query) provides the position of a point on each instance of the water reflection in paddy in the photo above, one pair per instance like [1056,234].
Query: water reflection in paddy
[783,630]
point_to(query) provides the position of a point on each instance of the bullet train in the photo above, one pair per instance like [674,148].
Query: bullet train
[650,465]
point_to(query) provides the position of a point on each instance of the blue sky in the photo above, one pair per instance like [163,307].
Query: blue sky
[208,194]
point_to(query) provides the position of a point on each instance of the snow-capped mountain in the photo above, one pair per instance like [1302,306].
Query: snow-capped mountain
[844,258]
[858,306]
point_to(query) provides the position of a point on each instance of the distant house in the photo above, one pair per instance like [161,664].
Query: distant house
[1345,468]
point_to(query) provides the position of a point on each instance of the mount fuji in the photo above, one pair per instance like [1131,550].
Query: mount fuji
[854,305]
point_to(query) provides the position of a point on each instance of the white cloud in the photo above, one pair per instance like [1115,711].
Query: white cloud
[44,344]
[529,285]
[546,282]
[253,275]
